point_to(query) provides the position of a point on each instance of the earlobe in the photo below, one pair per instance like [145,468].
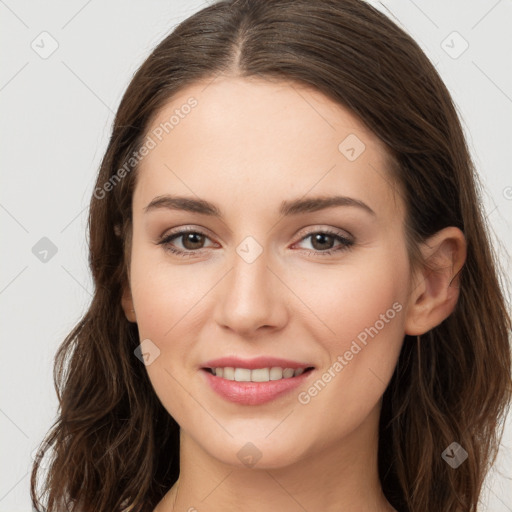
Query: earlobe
[127,305]
[435,291]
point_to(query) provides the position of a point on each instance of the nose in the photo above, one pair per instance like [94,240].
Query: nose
[251,298]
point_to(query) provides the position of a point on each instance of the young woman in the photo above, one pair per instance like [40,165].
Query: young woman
[296,303]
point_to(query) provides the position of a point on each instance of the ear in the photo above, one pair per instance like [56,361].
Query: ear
[126,298]
[436,285]
[127,304]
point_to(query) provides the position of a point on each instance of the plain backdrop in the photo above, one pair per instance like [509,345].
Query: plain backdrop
[65,66]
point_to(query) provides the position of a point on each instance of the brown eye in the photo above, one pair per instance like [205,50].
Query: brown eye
[192,241]
[185,242]
[322,241]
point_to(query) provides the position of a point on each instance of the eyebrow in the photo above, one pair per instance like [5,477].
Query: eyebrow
[287,208]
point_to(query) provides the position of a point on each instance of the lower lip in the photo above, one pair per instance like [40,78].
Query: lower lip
[253,393]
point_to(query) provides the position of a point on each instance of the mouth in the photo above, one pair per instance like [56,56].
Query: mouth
[268,374]
[255,381]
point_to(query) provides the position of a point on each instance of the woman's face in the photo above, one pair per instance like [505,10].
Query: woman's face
[270,277]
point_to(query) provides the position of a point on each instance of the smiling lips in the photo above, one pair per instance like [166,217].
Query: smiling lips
[255,381]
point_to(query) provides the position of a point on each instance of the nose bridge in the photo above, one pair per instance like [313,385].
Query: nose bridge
[250,297]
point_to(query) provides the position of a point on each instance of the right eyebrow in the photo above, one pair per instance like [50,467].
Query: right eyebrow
[184,203]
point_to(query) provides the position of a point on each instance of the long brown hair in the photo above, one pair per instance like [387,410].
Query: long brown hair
[114,447]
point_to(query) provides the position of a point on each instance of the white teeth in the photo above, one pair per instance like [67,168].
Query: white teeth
[258,374]
[287,373]
[276,373]
[242,375]
[229,373]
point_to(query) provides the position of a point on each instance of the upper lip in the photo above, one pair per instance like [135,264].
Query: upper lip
[257,362]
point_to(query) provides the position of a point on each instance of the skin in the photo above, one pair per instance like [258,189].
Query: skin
[248,145]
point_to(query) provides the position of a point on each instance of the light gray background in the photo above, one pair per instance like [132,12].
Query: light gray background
[56,119]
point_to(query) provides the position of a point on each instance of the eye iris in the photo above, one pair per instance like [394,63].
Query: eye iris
[195,239]
[322,237]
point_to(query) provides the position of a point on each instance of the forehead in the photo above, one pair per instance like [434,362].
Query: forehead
[254,141]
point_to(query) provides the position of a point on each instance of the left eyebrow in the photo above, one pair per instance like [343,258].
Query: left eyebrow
[320,203]
[287,208]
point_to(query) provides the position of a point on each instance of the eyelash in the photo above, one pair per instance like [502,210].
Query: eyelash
[346,243]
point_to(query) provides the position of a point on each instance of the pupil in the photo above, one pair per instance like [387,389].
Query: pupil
[321,237]
[189,239]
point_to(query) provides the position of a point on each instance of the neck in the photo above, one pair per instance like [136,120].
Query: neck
[339,477]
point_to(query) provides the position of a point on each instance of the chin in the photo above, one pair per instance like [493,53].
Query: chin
[257,452]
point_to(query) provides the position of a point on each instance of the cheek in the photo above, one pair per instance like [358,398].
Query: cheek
[351,299]
[366,303]
[365,307]
[167,301]
[164,295]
